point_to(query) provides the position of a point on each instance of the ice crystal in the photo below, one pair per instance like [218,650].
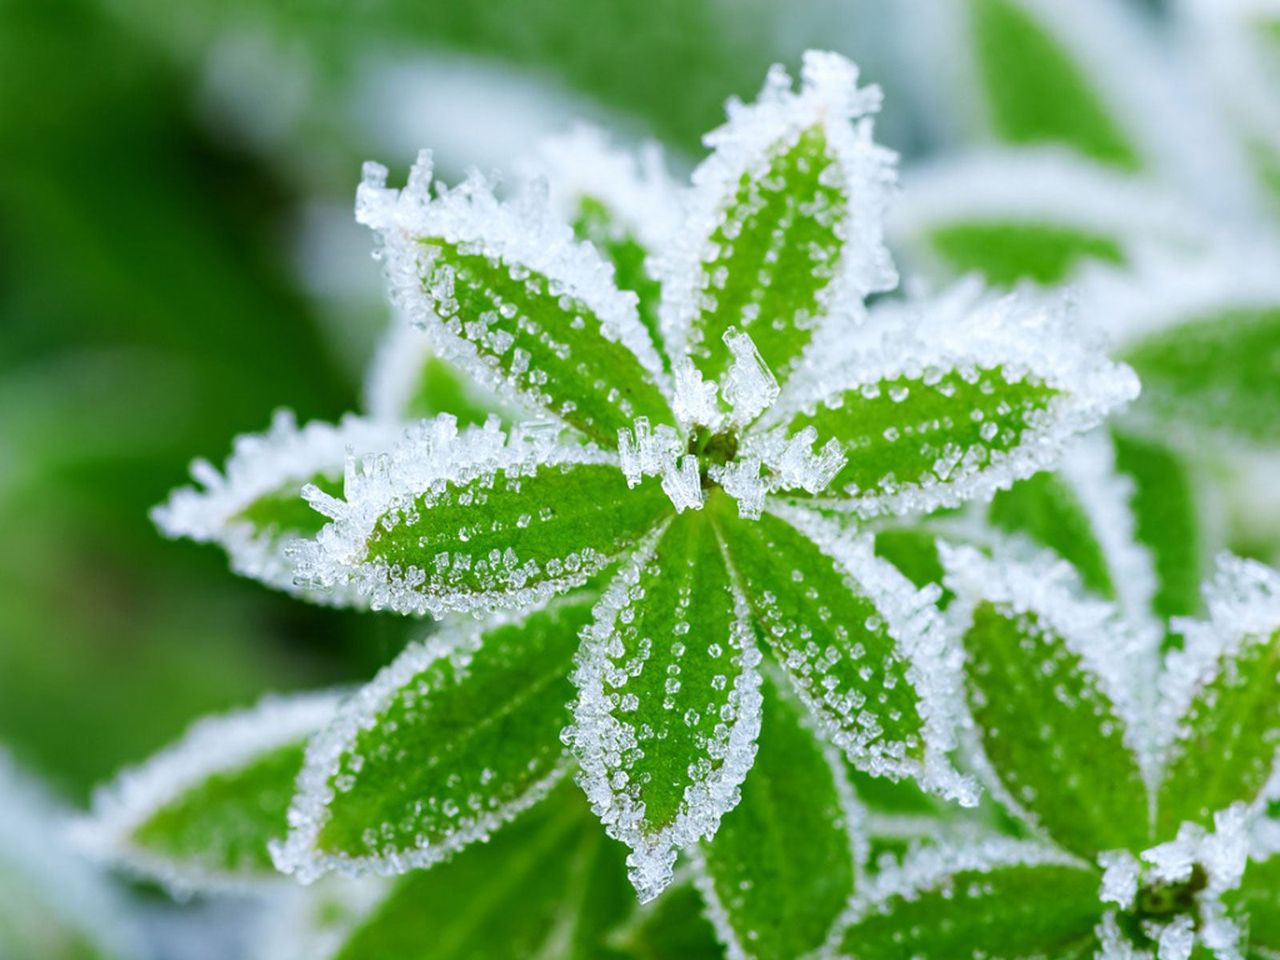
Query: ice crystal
[275,464]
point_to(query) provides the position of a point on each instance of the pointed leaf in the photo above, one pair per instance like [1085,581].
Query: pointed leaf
[1216,370]
[453,521]
[781,867]
[408,380]
[1051,687]
[448,742]
[199,815]
[1037,91]
[863,649]
[1045,217]
[668,702]
[254,509]
[1220,711]
[961,407]
[1000,900]
[546,886]
[785,223]
[626,205]
[508,295]
[1166,517]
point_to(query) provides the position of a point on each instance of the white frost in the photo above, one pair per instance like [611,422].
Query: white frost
[213,745]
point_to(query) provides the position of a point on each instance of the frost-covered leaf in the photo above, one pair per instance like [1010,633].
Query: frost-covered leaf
[254,509]
[1218,370]
[1086,514]
[626,205]
[1203,334]
[508,295]
[408,380]
[451,740]
[1166,520]
[861,646]
[785,222]
[53,904]
[1036,90]
[1257,903]
[982,393]
[782,865]
[1220,709]
[998,900]
[1030,215]
[477,519]
[674,925]
[668,705]
[1052,685]
[200,814]
[549,885]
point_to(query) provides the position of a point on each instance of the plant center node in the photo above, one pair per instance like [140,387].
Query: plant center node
[1162,901]
[712,449]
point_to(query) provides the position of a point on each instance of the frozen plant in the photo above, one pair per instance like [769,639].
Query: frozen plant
[668,533]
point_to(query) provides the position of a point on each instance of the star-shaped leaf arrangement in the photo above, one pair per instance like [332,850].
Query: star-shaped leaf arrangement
[1143,811]
[701,414]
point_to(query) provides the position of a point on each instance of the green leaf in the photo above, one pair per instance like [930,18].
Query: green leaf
[455,522]
[1000,900]
[598,224]
[668,702]
[671,926]
[448,742]
[548,885]
[1216,370]
[199,816]
[507,294]
[976,394]
[785,227]
[1046,688]
[623,203]
[781,867]
[1258,901]
[255,510]
[1220,706]
[862,648]
[1036,91]
[1007,252]
[1046,509]
[1166,520]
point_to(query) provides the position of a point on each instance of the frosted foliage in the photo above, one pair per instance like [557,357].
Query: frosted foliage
[1222,852]
[635,188]
[1119,660]
[386,540]
[669,703]
[938,867]
[792,197]
[1243,600]
[509,296]
[214,745]
[264,470]
[429,757]
[864,650]
[1120,873]
[982,392]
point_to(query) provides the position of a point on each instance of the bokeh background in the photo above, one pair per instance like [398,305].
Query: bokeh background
[178,259]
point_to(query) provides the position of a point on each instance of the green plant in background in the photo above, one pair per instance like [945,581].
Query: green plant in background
[658,578]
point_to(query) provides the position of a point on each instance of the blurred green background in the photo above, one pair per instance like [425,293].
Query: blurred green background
[177,260]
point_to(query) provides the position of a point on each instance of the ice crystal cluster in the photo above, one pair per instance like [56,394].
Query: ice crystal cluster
[661,475]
